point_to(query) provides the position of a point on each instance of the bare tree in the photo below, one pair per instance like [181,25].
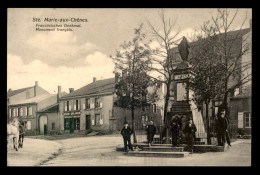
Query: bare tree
[217,59]
[163,60]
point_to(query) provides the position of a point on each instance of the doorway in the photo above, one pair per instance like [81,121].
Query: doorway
[43,124]
[87,122]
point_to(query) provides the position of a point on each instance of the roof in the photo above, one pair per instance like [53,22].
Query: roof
[50,109]
[14,92]
[245,94]
[230,36]
[98,87]
[36,99]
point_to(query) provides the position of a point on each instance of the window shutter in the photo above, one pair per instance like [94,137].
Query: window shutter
[10,113]
[69,107]
[30,111]
[21,111]
[29,125]
[240,119]
[74,107]
[79,102]
[66,108]
[92,120]
[17,112]
[25,111]
[83,106]
[101,120]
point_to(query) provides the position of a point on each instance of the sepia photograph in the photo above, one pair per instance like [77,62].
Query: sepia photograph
[129,87]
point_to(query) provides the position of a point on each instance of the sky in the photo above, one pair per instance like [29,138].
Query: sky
[71,59]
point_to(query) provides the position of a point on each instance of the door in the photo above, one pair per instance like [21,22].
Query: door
[43,124]
[45,129]
[87,122]
[71,125]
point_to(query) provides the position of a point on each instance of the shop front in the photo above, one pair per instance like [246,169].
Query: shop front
[72,122]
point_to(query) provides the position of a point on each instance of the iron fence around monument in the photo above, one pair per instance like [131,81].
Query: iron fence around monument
[201,136]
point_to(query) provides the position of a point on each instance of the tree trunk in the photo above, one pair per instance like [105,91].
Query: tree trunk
[133,122]
[208,124]
[165,111]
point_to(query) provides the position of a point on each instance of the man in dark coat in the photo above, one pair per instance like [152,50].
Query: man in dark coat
[126,132]
[176,127]
[226,132]
[151,130]
[189,130]
[221,128]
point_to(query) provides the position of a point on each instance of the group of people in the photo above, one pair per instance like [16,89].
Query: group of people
[176,129]
[189,131]
[176,132]
[222,123]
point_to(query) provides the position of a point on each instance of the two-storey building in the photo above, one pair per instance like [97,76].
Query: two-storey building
[92,107]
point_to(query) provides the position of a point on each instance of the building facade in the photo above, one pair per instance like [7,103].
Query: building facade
[25,104]
[92,108]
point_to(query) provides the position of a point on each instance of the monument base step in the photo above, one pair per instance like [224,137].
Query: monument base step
[158,154]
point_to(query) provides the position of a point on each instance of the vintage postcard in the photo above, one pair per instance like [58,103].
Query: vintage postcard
[129,86]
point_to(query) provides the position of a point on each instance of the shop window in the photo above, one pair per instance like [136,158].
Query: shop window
[77,123]
[66,123]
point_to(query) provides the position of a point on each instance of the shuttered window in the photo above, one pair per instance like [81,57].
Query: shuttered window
[92,103]
[29,111]
[247,120]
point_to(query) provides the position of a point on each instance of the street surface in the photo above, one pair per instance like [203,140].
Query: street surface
[33,153]
[101,151]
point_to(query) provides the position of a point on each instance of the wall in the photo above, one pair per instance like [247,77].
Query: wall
[119,115]
[21,96]
[107,103]
[240,105]
[51,118]
[247,58]
[47,102]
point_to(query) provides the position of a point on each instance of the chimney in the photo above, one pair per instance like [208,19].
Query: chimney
[59,93]
[94,79]
[71,89]
[35,88]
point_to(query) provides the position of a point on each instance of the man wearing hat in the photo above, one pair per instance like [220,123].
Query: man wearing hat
[176,128]
[190,130]
[151,130]
[126,132]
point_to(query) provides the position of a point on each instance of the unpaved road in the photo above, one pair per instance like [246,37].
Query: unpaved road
[101,151]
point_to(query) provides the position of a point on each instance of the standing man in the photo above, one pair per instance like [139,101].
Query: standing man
[189,131]
[222,131]
[126,132]
[221,127]
[151,130]
[176,127]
